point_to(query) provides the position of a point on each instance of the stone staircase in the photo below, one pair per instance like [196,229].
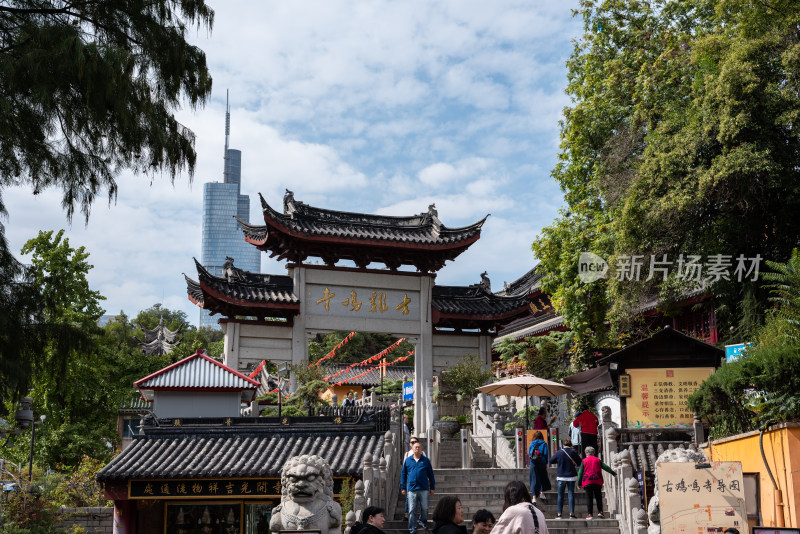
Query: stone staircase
[483,488]
[450,455]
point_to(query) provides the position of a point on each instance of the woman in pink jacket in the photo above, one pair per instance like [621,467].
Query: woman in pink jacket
[590,476]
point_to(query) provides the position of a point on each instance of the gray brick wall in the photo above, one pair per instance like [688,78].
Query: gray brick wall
[93,520]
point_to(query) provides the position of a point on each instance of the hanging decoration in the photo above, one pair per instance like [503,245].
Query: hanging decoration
[333,350]
[382,354]
[375,368]
[258,369]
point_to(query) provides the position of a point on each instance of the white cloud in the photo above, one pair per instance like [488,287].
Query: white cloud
[443,174]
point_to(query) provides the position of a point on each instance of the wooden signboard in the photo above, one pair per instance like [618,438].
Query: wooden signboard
[702,498]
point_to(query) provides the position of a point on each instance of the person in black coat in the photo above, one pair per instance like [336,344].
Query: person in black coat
[448,516]
[374,521]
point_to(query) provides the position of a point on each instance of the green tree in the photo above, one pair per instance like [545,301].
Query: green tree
[763,384]
[20,315]
[90,89]
[680,140]
[466,376]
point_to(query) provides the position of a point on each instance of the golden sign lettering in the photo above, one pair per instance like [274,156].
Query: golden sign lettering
[403,306]
[327,295]
[378,302]
[352,301]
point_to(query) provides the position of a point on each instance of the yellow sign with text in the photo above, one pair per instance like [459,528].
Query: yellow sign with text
[659,396]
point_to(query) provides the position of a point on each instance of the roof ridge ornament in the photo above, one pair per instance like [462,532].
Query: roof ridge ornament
[288,204]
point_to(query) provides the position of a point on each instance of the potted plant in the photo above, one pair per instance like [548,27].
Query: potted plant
[448,425]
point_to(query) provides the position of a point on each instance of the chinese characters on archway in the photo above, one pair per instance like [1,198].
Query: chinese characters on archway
[659,397]
[370,301]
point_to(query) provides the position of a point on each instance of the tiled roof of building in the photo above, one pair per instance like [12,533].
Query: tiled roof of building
[524,285]
[256,454]
[474,306]
[303,231]
[196,372]
[538,325]
[243,293]
[373,378]
[474,300]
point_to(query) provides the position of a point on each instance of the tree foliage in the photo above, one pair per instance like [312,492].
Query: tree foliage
[91,87]
[763,384]
[681,139]
[466,376]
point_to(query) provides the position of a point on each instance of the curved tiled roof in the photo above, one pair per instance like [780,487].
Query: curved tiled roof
[524,285]
[196,455]
[474,307]
[243,293]
[303,231]
[474,300]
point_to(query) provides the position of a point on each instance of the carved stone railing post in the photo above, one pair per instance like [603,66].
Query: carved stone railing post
[699,434]
[367,477]
[384,498]
[349,521]
[359,501]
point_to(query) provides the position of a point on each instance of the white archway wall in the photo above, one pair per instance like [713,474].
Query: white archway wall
[449,348]
[363,302]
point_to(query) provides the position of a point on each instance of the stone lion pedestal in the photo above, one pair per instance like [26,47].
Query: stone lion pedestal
[307,497]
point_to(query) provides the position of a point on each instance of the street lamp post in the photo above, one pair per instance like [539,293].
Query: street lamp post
[24,418]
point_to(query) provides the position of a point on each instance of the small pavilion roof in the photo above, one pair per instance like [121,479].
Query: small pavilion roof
[303,231]
[243,293]
[197,372]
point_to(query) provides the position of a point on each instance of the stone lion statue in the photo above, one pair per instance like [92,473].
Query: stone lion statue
[307,497]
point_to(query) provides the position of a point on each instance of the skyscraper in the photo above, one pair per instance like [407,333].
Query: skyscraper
[222,236]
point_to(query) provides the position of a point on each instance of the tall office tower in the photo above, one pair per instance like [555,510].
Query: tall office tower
[222,235]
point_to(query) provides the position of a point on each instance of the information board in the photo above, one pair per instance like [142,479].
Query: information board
[659,396]
[701,498]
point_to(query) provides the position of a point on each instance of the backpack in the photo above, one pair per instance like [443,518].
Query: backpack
[538,456]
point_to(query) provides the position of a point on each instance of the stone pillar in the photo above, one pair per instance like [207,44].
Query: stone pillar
[299,336]
[230,356]
[423,359]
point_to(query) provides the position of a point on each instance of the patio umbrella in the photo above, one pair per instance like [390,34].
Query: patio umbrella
[525,386]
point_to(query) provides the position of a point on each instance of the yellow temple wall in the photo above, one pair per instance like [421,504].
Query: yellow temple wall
[778,507]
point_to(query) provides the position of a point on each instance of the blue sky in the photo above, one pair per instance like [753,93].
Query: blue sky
[370,106]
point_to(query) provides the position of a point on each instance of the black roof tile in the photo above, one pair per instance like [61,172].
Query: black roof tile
[303,231]
[196,455]
[475,300]
[524,285]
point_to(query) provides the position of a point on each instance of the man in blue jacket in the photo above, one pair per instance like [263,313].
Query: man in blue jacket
[417,484]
